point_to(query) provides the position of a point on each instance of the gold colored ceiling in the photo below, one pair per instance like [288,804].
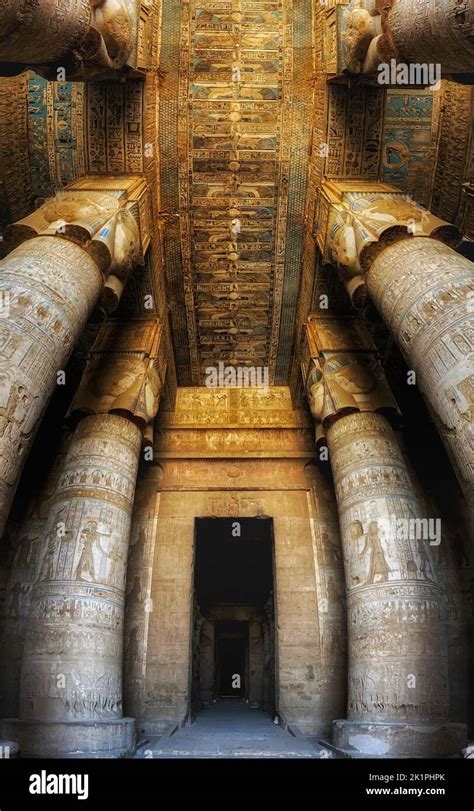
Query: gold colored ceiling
[236,90]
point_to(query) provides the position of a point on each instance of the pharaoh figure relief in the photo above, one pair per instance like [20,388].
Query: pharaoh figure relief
[235,382]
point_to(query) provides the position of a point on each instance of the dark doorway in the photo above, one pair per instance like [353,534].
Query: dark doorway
[231,652]
[233,618]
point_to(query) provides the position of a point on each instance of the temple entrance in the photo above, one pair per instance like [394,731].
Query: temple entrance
[233,619]
[231,651]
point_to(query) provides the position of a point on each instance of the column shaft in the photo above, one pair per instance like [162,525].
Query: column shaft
[43,32]
[48,287]
[398,670]
[432,32]
[422,290]
[72,665]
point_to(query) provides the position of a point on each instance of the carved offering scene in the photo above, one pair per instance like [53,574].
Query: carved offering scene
[236,395]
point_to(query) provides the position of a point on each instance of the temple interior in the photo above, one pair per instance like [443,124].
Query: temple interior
[236,378]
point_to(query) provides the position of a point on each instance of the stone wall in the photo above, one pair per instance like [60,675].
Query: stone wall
[236,469]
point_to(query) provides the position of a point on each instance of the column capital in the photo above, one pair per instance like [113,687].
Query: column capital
[341,370]
[358,219]
[79,39]
[401,40]
[121,376]
[107,216]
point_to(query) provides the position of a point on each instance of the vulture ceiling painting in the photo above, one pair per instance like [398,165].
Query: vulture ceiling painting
[236,90]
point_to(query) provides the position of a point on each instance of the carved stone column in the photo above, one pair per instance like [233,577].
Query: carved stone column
[62,256]
[385,244]
[410,32]
[49,288]
[84,38]
[398,670]
[71,682]
[421,289]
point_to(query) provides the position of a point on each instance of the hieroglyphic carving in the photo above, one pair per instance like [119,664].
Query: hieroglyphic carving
[390,576]
[76,621]
[435,31]
[422,289]
[355,119]
[390,580]
[23,575]
[234,407]
[86,38]
[114,124]
[51,285]
[234,148]
[455,158]
[409,143]
[148,38]
[454,569]
[55,134]
[15,185]
[72,664]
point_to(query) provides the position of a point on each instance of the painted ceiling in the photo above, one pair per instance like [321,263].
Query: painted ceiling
[236,90]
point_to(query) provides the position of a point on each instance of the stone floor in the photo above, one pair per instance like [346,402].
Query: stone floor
[230,729]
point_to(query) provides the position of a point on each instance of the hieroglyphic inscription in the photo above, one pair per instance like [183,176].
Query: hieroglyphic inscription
[77,607]
[15,185]
[355,118]
[114,126]
[409,142]
[390,580]
[422,288]
[238,135]
[454,163]
[51,285]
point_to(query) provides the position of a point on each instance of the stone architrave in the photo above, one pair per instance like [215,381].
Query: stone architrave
[410,32]
[388,246]
[63,259]
[69,39]
[71,682]
[398,669]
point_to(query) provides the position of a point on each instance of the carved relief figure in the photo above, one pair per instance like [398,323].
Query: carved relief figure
[378,567]
[89,537]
